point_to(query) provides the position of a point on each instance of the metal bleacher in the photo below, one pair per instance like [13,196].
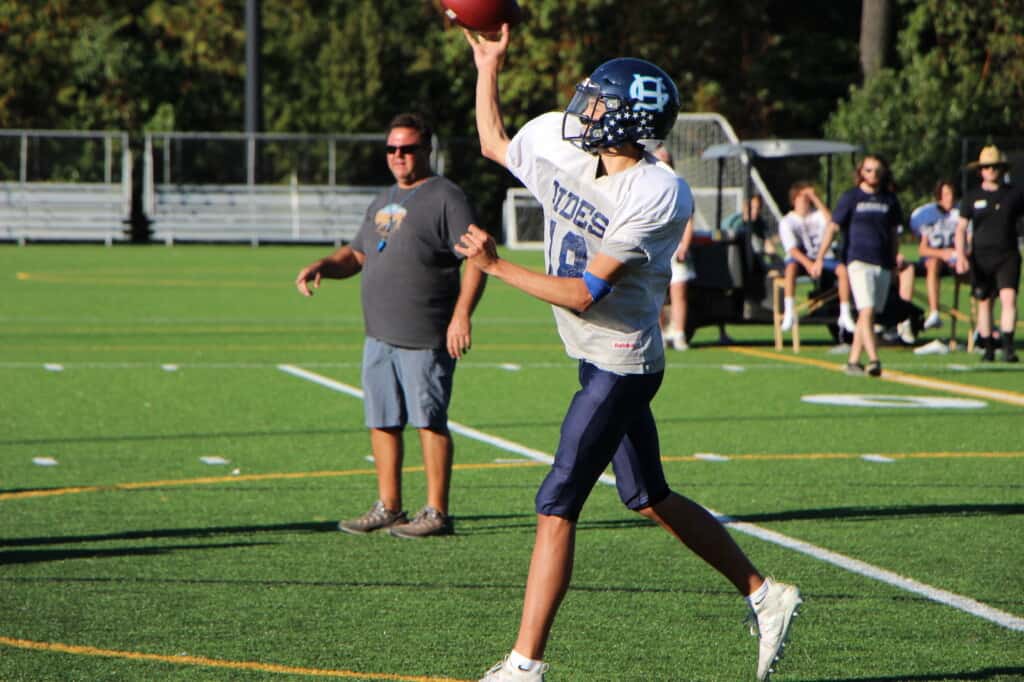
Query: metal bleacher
[252,191]
[255,214]
[61,186]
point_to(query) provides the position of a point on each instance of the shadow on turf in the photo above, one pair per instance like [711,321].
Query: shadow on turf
[311,527]
[511,521]
[983,674]
[35,556]
[884,512]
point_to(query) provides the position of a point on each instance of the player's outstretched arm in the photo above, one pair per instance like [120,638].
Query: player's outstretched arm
[489,56]
[572,293]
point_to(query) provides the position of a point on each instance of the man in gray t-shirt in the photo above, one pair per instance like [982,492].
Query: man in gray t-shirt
[416,309]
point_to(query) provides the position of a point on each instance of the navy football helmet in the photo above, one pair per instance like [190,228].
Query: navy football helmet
[624,100]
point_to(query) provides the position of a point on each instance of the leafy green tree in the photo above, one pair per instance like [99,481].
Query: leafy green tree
[960,73]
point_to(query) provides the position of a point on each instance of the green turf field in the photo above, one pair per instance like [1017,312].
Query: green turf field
[132,559]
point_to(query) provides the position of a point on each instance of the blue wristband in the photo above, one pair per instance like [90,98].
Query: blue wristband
[597,287]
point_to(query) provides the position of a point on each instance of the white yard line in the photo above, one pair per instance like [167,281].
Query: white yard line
[959,602]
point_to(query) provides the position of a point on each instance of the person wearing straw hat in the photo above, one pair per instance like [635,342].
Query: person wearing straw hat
[994,263]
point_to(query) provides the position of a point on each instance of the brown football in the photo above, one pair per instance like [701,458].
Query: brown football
[485,16]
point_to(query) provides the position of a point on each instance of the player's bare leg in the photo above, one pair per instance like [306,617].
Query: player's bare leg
[550,573]
[906,279]
[701,532]
[934,270]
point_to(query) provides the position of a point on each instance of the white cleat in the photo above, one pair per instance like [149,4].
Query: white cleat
[770,621]
[787,322]
[933,321]
[506,672]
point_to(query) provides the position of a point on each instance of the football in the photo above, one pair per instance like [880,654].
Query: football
[485,16]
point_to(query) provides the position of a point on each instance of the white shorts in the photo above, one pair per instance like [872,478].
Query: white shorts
[682,272]
[869,284]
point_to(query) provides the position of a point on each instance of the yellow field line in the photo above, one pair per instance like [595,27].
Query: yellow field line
[213,662]
[143,281]
[280,476]
[209,480]
[995,394]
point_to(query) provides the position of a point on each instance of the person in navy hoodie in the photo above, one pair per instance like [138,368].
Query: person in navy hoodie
[868,216]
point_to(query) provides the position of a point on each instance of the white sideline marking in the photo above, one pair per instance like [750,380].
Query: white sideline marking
[966,604]
[44,461]
[878,459]
[169,368]
[53,367]
[734,368]
[510,366]
[213,460]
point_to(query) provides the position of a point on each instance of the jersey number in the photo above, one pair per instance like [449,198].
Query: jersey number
[572,255]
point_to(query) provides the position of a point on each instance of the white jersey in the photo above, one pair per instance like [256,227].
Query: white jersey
[804,233]
[636,216]
[937,225]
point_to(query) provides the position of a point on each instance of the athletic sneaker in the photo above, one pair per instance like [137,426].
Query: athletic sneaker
[428,521]
[770,621]
[506,672]
[1010,355]
[854,369]
[378,517]
[875,368]
[933,321]
[906,332]
[989,355]
[787,322]
[677,341]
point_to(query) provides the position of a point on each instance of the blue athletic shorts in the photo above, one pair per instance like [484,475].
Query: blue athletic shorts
[609,420]
[406,386]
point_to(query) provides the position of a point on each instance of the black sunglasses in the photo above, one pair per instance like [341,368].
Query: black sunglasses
[402,149]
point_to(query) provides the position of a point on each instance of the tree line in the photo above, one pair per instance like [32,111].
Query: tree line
[775,68]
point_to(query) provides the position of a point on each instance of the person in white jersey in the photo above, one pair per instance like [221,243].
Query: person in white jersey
[801,232]
[613,219]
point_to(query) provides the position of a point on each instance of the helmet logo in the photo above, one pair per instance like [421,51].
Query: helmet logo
[648,93]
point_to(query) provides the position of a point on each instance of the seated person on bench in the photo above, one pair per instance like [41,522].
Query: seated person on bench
[801,231]
[935,224]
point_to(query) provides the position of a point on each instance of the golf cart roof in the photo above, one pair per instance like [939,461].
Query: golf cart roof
[775,149]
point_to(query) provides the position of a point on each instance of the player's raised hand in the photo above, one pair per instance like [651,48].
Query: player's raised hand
[488,50]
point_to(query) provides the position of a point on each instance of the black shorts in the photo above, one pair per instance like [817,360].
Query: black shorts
[991,272]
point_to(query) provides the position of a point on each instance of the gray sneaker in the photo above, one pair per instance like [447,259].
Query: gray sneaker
[428,521]
[378,517]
